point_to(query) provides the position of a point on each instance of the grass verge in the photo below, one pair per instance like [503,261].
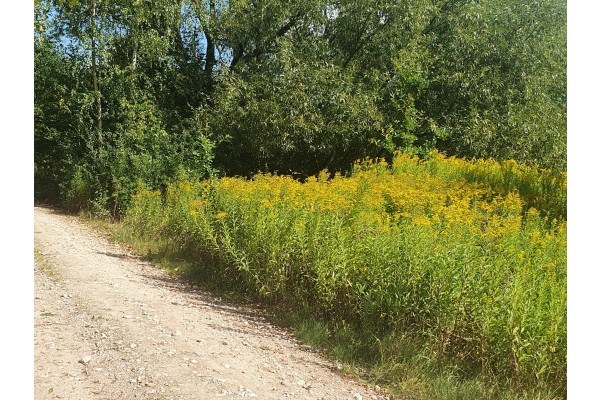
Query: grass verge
[438,279]
[401,365]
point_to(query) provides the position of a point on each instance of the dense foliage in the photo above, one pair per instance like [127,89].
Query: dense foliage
[455,236]
[136,89]
[447,250]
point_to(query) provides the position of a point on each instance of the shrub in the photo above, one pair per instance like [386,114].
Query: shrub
[435,248]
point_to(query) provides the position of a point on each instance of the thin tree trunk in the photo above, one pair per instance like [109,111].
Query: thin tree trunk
[95,78]
[132,64]
[134,52]
[210,46]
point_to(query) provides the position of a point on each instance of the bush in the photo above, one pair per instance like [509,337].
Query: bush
[77,192]
[466,264]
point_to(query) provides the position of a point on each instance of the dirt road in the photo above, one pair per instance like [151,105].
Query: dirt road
[109,325]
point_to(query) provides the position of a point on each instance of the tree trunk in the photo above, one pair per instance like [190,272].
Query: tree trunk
[210,46]
[95,79]
[134,52]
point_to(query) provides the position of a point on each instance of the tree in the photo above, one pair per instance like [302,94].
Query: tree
[131,89]
[497,81]
[116,61]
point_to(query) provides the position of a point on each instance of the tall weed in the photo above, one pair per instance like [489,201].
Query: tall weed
[433,249]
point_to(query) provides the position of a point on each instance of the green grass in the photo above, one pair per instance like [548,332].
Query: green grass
[400,364]
[410,276]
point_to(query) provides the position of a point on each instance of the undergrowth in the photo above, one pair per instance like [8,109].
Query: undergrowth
[438,279]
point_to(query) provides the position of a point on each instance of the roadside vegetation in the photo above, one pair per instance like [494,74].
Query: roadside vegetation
[223,137]
[438,275]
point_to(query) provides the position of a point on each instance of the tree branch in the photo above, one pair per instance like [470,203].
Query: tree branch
[360,44]
[259,50]
[433,22]
[210,45]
